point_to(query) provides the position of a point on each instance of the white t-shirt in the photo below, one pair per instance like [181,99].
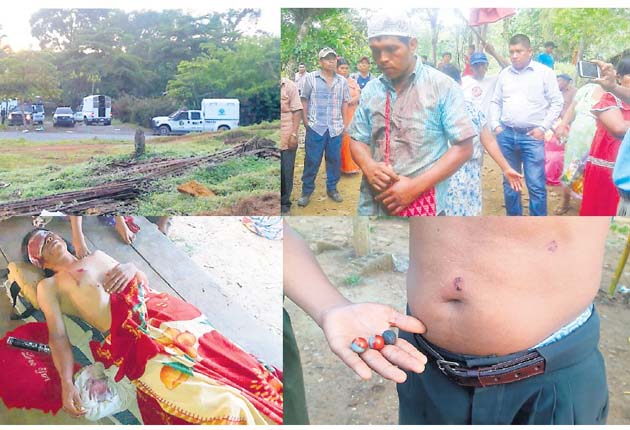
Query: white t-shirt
[479,92]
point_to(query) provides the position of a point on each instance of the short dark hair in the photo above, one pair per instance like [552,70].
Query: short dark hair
[520,39]
[342,62]
[24,248]
[623,66]
[453,72]
[301,64]
[447,53]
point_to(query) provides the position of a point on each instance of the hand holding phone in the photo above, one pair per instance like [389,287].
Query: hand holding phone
[589,70]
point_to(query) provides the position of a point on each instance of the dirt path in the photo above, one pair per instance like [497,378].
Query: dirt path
[336,396]
[492,178]
[320,204]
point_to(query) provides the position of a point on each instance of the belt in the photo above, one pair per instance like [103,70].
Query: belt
[525,366]
[521,130]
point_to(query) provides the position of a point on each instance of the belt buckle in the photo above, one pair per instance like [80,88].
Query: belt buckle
[441,363]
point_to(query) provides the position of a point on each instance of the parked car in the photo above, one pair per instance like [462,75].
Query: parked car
[38,113]
[63,116]
[78,114]
[21,115]
[215,115]
[17,117]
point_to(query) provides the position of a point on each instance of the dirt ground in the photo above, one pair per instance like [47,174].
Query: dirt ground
[225,248]
[264,205]
[349,188]
[353,401]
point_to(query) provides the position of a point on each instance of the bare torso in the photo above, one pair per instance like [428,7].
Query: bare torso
[500,285]
[80,290]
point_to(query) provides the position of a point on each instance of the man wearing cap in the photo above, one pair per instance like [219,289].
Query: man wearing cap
[546,57]
[479,88]
[568,91]
[403,125]
[526,102]
[325,96]
[363,76]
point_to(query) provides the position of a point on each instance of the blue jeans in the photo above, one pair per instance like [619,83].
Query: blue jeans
[523,152]
[315,147]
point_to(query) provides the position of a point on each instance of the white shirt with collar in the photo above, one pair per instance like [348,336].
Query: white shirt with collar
[526,98]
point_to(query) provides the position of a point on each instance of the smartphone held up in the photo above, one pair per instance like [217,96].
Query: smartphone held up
[588,70]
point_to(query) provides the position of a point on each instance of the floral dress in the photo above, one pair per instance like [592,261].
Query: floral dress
[579,141]
[464,187]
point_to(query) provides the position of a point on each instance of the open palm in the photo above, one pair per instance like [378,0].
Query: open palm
[344,323]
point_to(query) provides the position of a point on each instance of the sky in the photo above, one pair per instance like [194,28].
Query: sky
[14,21]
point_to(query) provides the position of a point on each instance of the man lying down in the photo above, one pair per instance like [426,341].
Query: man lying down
[177,362]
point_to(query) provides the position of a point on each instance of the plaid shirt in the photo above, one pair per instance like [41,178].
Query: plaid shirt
[426,115]
[324,104]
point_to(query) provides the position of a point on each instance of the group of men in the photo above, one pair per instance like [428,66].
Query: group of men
[411,130]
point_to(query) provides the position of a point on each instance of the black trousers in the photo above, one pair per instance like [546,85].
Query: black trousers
[287,165]
[573,389]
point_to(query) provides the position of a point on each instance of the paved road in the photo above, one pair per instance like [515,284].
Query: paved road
[79,131]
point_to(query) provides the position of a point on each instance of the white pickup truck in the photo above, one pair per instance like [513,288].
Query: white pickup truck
[215,114]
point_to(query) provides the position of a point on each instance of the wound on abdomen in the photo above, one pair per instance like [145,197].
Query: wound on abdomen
[552,246]
[458,283]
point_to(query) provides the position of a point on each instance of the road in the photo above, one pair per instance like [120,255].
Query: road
[79,131]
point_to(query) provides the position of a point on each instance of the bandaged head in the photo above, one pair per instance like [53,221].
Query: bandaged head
[36,246]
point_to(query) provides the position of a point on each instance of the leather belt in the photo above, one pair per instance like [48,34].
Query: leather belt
[521,130]
[516,369]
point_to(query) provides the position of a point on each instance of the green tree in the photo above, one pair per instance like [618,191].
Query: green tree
[58,29]
[4,49]
[27,75]
[249,71]
[578,32]
[133,53]
[306,31]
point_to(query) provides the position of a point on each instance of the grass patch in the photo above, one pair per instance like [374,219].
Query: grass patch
[621,229]
[36,169]
[352,280]
[232,181]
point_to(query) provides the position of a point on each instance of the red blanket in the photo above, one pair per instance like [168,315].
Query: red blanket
[29,379]
[139,312]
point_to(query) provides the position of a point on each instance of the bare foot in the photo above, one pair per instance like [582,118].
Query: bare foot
[126,235]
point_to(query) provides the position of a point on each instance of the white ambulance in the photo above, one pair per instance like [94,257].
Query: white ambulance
[215,115]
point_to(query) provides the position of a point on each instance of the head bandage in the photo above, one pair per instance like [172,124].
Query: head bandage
[35,247]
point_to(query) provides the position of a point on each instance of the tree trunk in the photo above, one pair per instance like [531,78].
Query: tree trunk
[303,21]
[433,18]
[139,143]
[361,235]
